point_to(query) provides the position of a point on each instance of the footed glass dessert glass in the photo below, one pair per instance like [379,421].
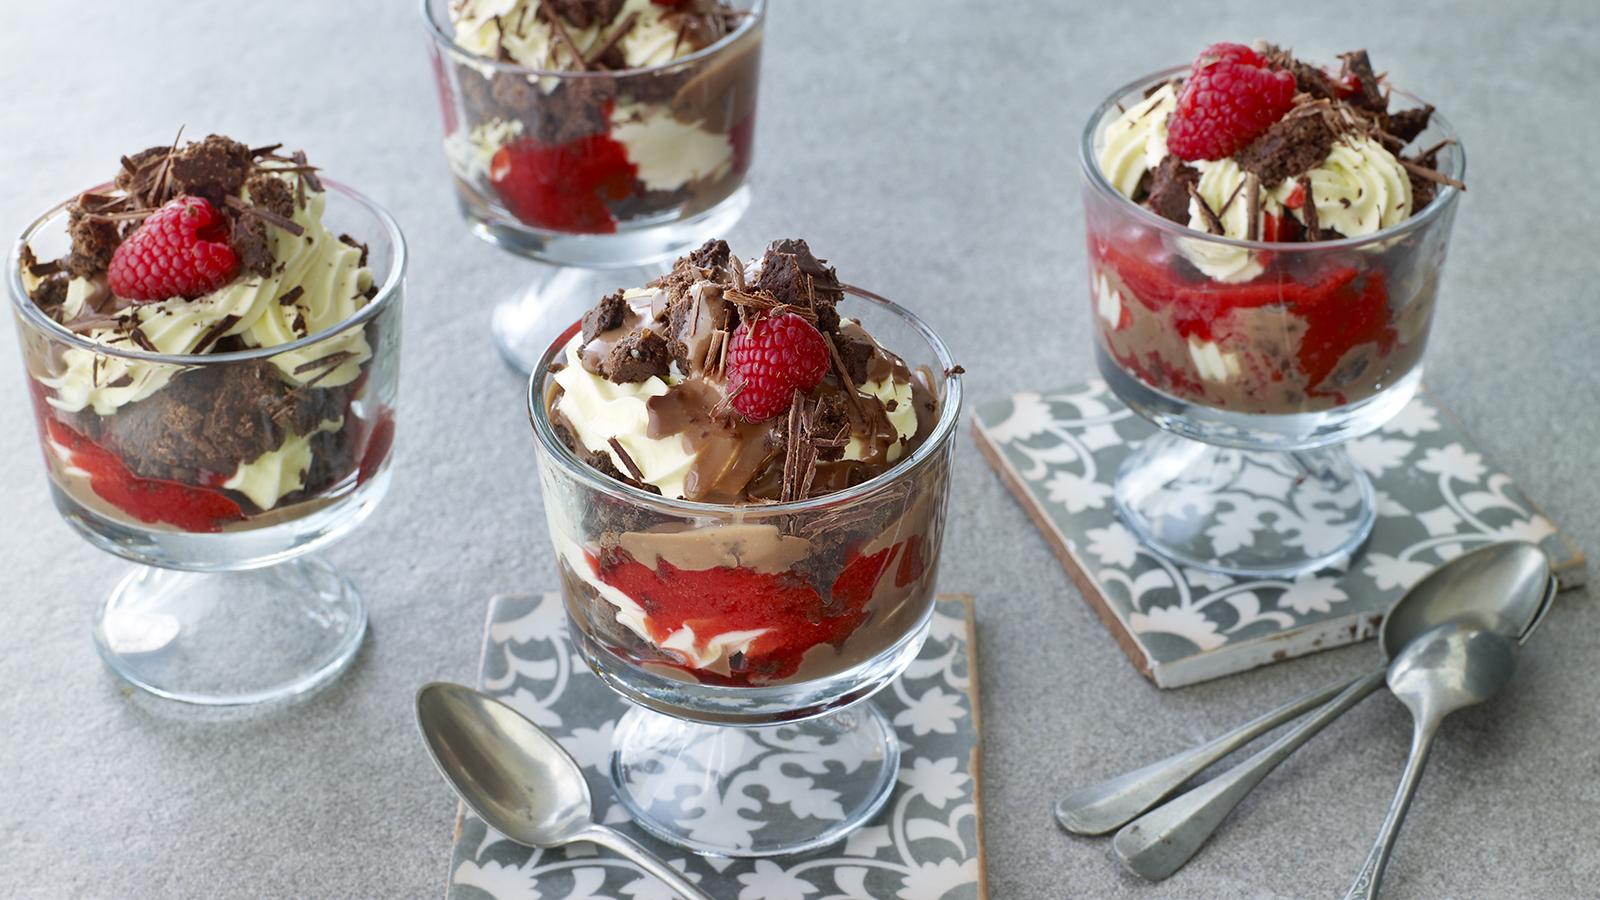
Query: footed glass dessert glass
[224,608]
[1255,381]
[747,636]
[600,176]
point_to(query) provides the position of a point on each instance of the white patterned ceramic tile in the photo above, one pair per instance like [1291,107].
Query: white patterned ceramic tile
[1437,497]
[925,845]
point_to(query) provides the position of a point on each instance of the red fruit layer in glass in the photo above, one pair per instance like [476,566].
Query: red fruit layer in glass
[564,187]
[726,599]
[151,500]
[1343,307]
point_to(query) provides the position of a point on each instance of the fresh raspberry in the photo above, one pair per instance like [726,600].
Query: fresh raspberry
[771,358]
[564,187]
[1229,99]
[181,250]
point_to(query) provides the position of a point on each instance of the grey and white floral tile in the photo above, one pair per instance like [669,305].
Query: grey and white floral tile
[926,844]
[1437,497]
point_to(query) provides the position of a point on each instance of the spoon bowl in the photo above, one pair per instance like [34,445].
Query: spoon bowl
[1505,588]
[518,779]
[510,771]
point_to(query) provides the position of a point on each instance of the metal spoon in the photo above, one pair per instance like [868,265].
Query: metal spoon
[1452,667]
[1497,569]
[518,779]
[1505,588]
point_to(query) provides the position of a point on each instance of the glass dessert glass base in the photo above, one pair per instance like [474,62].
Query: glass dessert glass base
[725,791]
[1245,512]
[231,638]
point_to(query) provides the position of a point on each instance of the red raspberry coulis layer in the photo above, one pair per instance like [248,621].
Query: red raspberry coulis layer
[725,599]
[564,187]
[149,500]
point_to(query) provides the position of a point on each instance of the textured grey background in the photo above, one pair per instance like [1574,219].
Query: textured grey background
[928,147]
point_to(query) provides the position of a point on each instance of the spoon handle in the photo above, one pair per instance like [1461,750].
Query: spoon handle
[1365,886]
[1161,841]
[612,839]
[1111,804]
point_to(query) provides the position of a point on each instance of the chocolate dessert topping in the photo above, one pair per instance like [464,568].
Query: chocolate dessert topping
[221,171]
[636,357]
[1168,186]
[604,316]
[1294,145]
[1353,103]
[681,335]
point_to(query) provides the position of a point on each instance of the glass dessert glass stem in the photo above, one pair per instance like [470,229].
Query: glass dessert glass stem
[231,638]
[689,783]
[1203,505]
[526,322]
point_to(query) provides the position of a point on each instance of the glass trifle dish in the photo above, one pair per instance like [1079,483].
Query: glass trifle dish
[211,343]
[1265,243]
[745,467]
[601,138]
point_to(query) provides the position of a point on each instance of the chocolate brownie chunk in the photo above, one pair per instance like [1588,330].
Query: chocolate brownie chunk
[604,316]
[210,420]
[50,293]
[713,254]
[252,244]
[1368,95]
[825,279]
[215,168]
[1166,189]
[94,240]
[1293,145]
[1308,79]
[792,275]
[576,108]
[1408,123]
[128,179]
[585,13]
[856,356]
[272,194]
[638,356]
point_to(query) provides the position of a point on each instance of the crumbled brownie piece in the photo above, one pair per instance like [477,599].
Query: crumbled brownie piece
[135,164]
[586,13]
[856,356]
[210,419]
[575,109]
[1408,123]
[1293,145]
[50,293]
[1368,95]
[272,194]
[1166,189]
[792,275]
[94,240]
[638,356]
[252,244]
[604,316]
[1308,79]
[824,278]
[214,168]
[713,254]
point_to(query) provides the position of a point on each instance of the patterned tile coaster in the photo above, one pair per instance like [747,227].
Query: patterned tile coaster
[1437,497]
[926,844]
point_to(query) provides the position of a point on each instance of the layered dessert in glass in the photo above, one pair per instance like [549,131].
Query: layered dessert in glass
[590,117]
[1265,237]
[210,341]
[745,465]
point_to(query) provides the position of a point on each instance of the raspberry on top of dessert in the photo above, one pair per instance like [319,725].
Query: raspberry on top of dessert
[727,382]
[1254,144]
[195,250]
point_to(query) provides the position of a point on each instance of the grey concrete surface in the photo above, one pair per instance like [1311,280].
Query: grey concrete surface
[927,146]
